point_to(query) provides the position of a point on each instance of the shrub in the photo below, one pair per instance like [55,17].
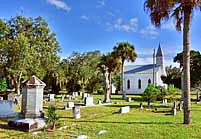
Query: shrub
[100,91]
[150,94]
[3,84]
[52,115]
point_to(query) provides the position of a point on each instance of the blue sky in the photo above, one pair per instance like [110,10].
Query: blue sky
[88,25]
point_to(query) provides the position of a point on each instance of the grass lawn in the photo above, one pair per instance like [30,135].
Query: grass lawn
[137,124]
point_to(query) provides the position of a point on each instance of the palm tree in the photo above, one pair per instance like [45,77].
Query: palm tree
[108,64]
[124,51]
[181,11]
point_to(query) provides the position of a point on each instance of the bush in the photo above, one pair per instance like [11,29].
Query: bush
[52,115]
[3,84]
[172,92]
[100,91]
[151,93]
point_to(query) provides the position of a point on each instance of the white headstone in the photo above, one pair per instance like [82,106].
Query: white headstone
[88,101]
[129,99]
[62,98]
[70,104]
[1,98]
[174,112]
[51,97]
[99,102]
[125,109]
[84,95]
[141,106]
[76,112]
[6,108]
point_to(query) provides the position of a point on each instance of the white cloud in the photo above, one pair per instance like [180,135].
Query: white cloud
[150,30]
[101,3]
[119,25]
[84,17]
[60,4]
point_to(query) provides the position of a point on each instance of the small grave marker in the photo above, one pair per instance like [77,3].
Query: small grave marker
[125,109]
[76,112]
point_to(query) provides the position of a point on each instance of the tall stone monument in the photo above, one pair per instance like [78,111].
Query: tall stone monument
[31,116]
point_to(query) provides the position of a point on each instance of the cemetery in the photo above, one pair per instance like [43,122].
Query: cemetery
[99,121]
[100,69]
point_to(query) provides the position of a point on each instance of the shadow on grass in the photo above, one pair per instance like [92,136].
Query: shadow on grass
[137,106]
[118,122]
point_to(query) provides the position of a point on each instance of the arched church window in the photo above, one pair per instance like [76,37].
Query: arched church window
[149,81]
[139,84]
[128,84]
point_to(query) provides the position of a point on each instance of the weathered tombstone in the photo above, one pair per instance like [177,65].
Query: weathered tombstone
[125,109]
[88,101]
[32,117]
[70,104]
[99,102]
[174,112]
[198,96]
[15,98]
[73,97]
[141,106]
[1,98]
[67,96]
[84,95]
[75,94]
[129,99]
[6,108]
[180,105]
[62,98]
[51,97]
[76,112]
[165,101]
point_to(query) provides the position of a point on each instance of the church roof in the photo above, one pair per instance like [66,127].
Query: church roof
[141,68]
[159,51]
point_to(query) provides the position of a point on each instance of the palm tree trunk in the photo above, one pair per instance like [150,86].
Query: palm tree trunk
[186,67]
[122,81]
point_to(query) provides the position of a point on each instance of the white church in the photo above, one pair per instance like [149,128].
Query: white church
[137,77]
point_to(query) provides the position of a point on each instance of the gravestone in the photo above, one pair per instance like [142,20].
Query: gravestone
[84,95]
[125,109]
[32,116]
[180,105]
[76,112]
[141,106]
[75,94]
[99,102]
[1,98]
[51,97]
[198,96]
[129,99]
[62,98]
[70,104]
[15,98]
[174,112]
[6,108]
[165,102]
[88,101]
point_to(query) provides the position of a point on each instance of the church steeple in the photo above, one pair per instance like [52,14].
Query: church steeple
[159,56]
[159,51]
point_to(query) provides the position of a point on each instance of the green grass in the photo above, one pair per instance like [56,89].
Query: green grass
[137,124]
